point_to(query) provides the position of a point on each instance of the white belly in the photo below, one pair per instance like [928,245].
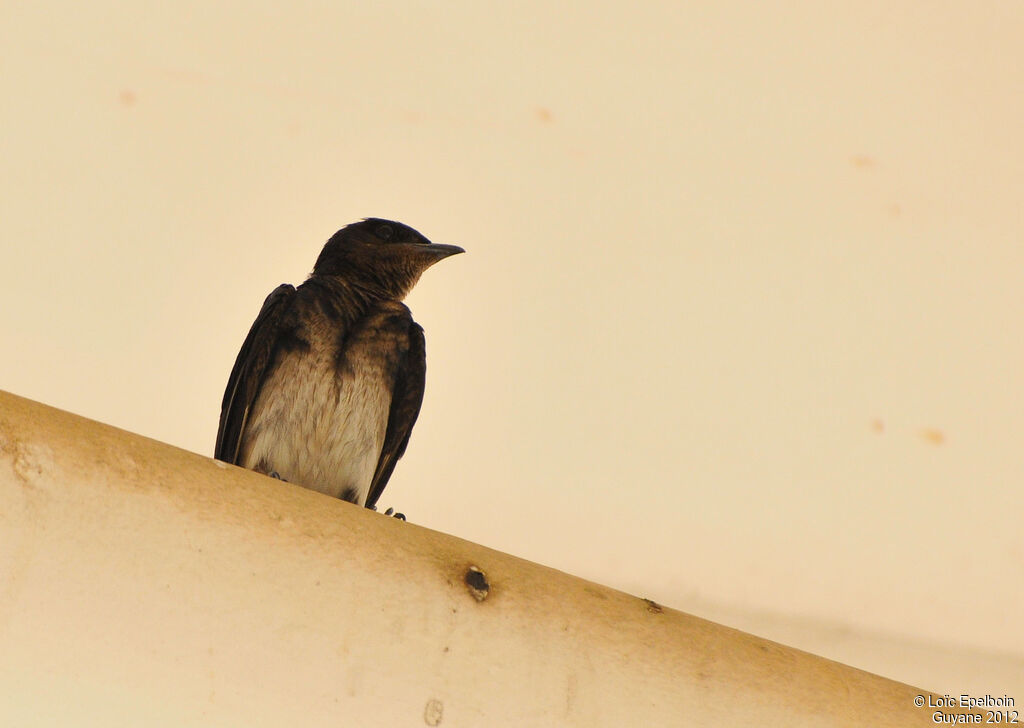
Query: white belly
[316,429]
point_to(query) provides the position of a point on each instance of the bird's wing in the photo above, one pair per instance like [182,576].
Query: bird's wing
[247,375]
[406,398]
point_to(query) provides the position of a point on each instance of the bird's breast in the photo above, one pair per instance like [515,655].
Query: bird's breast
[320,421]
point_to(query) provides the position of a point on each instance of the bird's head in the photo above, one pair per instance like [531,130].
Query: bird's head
[380,254]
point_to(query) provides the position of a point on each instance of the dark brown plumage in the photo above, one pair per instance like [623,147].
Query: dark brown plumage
[329,381]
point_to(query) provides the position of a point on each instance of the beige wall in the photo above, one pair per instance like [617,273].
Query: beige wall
[740,324]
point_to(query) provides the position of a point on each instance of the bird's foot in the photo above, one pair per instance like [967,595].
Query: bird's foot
[389,512]
[275,474]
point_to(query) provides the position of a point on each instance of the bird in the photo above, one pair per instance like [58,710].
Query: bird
[329,381]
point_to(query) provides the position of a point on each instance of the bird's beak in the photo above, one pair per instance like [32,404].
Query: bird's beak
[420,255]
[433,252]
[442,251]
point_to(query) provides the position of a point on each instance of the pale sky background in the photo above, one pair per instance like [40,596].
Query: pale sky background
[739,327]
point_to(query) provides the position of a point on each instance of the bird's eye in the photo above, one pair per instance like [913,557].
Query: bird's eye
[384,232]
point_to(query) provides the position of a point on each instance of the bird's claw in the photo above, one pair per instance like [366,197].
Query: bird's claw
[391,512]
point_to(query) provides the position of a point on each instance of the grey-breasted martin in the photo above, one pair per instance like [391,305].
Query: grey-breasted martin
[329,381]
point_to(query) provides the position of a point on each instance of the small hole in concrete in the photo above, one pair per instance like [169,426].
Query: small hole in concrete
[476,580]
[652,606]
